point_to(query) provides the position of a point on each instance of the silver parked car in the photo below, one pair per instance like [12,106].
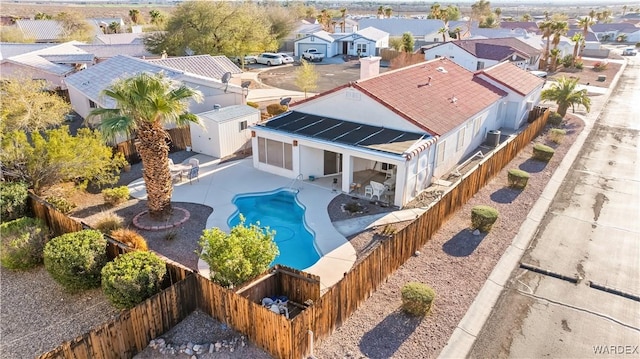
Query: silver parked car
[286,59]
[269,58]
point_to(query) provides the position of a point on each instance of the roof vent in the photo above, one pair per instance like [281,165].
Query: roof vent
[441,69]
[453,99]
[428,83]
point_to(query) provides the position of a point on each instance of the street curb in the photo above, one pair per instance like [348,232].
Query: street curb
[464,336]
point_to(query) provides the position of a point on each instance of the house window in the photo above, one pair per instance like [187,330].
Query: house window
[460,143]
[476,126]
[361,48]
[92,104]
[480,65]
[243,125]
[441,149]
[275,153]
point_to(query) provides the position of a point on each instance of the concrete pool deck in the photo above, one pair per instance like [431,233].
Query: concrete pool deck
[219,183]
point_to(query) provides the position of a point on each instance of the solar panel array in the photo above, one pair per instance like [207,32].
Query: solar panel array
[345,132]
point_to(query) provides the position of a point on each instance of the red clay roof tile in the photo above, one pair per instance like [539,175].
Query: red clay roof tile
[513,77]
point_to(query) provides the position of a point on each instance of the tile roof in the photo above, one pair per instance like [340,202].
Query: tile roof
[530,26]
[437,95]
[612,27]
[54,59]
[8,49]
[103,51]
[40,30]
[513,77]
[69,58]
[497,49]
[100,76]
[591,37]
[202,65]
[398,26]
[321,35]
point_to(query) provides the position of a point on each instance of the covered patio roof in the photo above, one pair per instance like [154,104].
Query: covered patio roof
[345,132]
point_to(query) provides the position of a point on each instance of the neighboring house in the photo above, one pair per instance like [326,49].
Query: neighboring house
[590,43]
[224,131]
[203,65]
[364,42]
[101,25]
[610,31]
[321,40]
[350,25]
[421,29]
[418,121]
[10,49]
[482,53]
[119,39]
[632,35]
[51,63]
[85,87]
[528,26]
[104,51]
[40,30]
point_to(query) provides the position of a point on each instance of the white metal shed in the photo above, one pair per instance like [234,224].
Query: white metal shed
[224,131]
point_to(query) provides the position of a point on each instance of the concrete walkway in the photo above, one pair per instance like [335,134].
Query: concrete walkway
[464,336]
[349,227]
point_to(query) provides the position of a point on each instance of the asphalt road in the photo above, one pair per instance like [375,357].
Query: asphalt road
[590,235]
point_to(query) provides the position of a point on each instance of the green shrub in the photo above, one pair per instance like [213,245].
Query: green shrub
[131,238]
[253,104]
[353,207]
[567,61]
[483,218]
[542,152]
[13,200]
[276,109]
[518,178]
[22,242]
[555,119]
[75,259]
[417,298]
[109,222]
[235,257]
[115,196]
[61,204]
[132,277]
[556,135]
[579,64]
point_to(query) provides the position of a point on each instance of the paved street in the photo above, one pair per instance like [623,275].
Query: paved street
[582,288]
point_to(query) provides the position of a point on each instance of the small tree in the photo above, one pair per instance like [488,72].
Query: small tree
[306,77]
[407,42]
[235,257]
[75,259]
[26,106]
[74,27]
[43,161]
[132,278]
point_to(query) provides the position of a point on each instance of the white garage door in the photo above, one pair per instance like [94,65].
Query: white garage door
[303,47]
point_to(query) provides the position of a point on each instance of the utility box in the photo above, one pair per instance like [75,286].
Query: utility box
[493,138]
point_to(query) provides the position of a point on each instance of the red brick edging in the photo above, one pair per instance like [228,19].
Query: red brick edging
[136,221]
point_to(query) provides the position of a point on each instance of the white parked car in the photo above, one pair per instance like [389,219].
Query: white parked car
[286,59]
[269,58]
[630,51]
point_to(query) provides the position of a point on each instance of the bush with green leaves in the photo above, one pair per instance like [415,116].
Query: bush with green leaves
[417,298]
[253,104]
[555,119]
[240,255]
[276,109]
[483,218]
[22,242]
[75,259]
[542,152]
[567,61]
[518,178]
[132,277]
[13,200]
[61,204]
[556,135]
[115,196]
[108,222]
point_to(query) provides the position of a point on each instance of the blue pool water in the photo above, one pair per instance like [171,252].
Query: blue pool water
[281,212]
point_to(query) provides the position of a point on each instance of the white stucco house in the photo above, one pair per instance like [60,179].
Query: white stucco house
[364,42]
[419,121]
[478,54]
[421,29]
[320,40]
[85,87]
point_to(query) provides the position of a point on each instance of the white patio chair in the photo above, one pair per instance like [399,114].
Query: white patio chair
[194,162]
[378,189]
[368,191]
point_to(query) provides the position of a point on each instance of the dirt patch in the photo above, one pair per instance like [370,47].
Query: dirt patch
[589,76]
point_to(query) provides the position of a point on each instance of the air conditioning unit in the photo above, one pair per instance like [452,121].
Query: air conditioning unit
[529,105]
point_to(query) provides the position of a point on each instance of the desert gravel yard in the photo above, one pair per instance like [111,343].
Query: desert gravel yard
[454,262]
[37,315]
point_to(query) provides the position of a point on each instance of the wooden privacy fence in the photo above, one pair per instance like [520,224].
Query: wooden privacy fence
[281,337]
[180,139]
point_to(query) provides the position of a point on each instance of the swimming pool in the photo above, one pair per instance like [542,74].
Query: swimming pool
[280,211]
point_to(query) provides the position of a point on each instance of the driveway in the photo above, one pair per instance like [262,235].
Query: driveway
[332,73]
[579,296]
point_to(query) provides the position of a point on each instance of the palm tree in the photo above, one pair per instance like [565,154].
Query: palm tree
[565,95]
[380,12]
[157,18]
[443,31]
[578,40]
[526,17]
[134,14]
[498,12]
[554,59]
[624,10]
[435,11]
[145,103]
[457,31]
[343,23]
[547,31]
[559,28]
[114,27]
[584,23]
